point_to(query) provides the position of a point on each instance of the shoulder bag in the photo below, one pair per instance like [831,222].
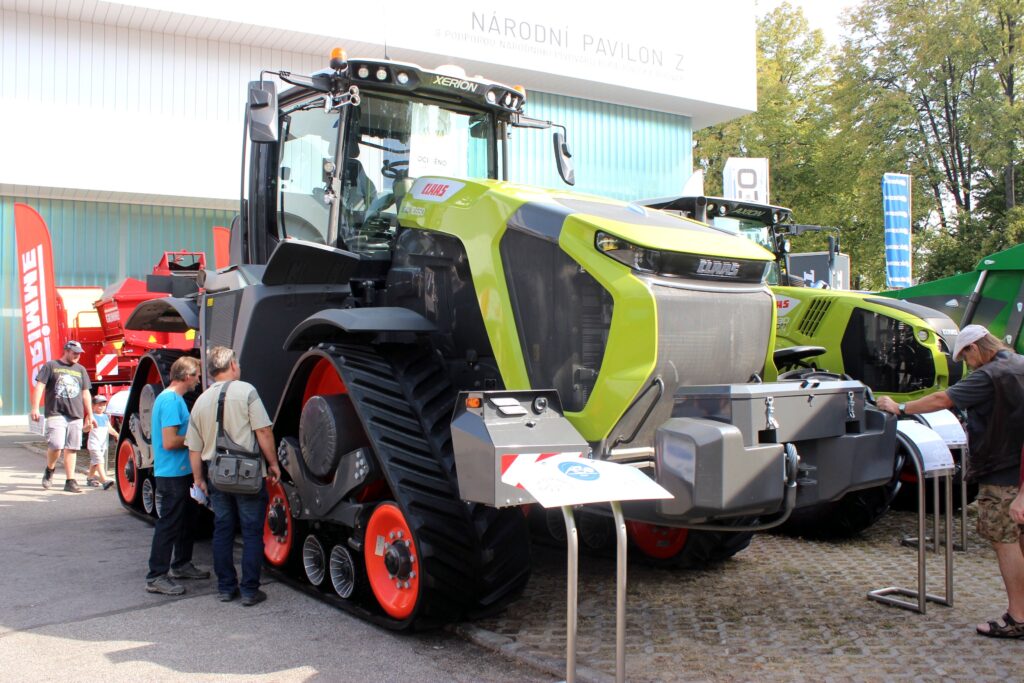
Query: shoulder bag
[235,469]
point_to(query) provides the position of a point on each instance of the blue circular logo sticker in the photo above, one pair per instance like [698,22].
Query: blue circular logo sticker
[579,471]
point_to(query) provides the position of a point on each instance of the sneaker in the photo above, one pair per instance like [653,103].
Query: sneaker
[227,597]
[92,482]
[47,478]
[254,599]
[107,484]
[164,585]
[189,571]
[71,486]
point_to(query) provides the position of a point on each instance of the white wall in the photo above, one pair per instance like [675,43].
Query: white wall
[129,100]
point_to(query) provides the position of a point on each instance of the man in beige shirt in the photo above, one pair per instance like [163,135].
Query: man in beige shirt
[246,422]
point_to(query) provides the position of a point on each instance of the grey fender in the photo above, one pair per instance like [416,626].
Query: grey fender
[166,314]
[327,323]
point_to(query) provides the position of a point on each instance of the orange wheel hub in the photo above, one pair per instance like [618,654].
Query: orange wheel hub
[127,473]
[658,542]
[279,528]
[392,561]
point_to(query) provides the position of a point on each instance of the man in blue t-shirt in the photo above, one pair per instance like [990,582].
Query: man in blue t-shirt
[173,533]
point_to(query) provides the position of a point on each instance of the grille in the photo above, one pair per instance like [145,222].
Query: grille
[705,336]
[815,314]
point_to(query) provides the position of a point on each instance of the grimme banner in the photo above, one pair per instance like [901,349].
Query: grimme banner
[38,291]
[896,208]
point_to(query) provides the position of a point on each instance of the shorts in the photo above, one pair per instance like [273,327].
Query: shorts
[97,457]
[62,433]
[994,522]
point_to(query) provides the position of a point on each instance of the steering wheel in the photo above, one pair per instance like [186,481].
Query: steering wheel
[395,169]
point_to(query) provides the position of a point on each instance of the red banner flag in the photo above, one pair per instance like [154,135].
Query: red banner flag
[221,247]
[38,290]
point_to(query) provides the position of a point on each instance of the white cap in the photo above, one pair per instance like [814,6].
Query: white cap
[967,336]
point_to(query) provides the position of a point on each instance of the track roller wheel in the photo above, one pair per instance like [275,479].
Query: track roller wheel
[313,560]
[657,542]
[279,528]
[147,397]
[149,495]
[127,474]
[391,561]
[342,571]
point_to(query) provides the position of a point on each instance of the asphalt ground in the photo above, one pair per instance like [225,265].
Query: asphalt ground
[785,609]
[73,607]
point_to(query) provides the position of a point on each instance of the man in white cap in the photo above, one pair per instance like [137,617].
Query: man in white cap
[993,396]
[66,385]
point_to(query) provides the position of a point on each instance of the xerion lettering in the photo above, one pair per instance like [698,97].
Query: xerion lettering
[456,84]
[37,324]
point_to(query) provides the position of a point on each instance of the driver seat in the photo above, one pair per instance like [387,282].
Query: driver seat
[385,200]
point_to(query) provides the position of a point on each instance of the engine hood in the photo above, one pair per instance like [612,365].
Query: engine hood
[447,203]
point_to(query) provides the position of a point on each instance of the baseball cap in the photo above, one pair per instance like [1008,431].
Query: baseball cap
[99,399]
[967,336]
[72,345]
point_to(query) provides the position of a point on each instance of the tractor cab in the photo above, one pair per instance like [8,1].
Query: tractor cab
[333,158]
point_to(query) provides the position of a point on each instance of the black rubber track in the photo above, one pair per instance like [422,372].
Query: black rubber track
[473,559]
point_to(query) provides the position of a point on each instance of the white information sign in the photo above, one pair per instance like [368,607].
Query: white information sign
[569,480]
[745,179]
[934,451]
[945,424]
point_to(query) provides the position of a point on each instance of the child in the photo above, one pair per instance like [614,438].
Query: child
[99,441]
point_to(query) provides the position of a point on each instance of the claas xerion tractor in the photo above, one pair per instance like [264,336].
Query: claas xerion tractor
[416,325]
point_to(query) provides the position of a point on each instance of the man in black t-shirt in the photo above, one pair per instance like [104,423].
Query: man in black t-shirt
[993,396]
[66,386]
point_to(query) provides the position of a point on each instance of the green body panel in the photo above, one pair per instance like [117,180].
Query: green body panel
[793,303]
[1003,288]
[478,215]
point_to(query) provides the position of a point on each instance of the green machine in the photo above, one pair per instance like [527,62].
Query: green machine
[422,329]
[991,295]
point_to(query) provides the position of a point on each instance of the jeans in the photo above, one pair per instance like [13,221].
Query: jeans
[249,513]
[175,527]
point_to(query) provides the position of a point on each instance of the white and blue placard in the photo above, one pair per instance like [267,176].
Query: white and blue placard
[896,208]
[566,480]
[935,455]
[945,424]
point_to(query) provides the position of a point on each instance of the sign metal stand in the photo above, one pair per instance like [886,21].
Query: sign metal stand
[932,460]
[946,425]
[565,483]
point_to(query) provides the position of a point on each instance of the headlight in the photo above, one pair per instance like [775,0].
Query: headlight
[676,264]
[627,254]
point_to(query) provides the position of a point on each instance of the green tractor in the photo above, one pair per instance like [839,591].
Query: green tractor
[898,348]
[420,328]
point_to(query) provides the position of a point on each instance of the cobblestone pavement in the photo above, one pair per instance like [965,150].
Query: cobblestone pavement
[784,609]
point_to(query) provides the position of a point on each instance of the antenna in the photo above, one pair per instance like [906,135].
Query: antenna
[386,49]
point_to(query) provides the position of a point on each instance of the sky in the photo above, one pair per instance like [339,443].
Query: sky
[823,14]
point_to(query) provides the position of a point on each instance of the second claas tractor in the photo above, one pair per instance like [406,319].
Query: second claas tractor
[420,328]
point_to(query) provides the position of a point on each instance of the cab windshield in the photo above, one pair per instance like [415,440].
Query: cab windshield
[387,144]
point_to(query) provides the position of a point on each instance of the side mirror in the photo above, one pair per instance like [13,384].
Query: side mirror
[563,158]
[262,111]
